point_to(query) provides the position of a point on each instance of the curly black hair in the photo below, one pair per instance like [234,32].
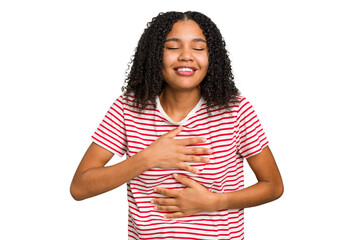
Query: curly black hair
[145,78]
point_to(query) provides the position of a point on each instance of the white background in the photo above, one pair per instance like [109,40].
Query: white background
[62,64]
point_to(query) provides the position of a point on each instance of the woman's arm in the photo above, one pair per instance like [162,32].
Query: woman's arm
[196,198]
[93,178]
[268,188]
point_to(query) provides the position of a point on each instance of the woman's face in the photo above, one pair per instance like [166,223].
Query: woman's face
[186,56]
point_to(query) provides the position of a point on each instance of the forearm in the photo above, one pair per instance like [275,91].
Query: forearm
[98,180]
[257,194]
[268,188]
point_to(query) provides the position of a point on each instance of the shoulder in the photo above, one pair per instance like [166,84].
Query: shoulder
[122,102]
[234,103]
[130,103]
[127,98]
[233,107]
[239,102]
[240,99]
[242,107]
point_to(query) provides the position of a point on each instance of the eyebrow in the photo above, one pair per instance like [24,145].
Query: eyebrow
[178,40]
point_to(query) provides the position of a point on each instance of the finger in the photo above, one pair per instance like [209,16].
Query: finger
[187,167]
[197,150]
[191,141]
[175,215]
[184,180]
[172,133]
[167,192]
[164,201]
[167,208]
[196,159]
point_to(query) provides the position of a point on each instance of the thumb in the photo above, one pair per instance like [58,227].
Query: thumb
[174,132]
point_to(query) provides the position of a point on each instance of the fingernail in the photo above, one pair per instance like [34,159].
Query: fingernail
[155,189]
[206,160]
[175,174]
[204,139]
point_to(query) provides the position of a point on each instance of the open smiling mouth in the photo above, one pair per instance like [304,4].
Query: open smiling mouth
[185,70]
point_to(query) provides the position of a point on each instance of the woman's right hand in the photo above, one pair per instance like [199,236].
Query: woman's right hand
[167,152]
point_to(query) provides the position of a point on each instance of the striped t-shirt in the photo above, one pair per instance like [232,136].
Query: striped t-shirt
[233,134]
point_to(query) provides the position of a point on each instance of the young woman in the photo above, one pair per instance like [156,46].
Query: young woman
[186,131]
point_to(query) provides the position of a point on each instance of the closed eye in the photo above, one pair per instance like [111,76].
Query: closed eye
[199,49]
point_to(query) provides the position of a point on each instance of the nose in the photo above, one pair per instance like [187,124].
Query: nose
[186,54]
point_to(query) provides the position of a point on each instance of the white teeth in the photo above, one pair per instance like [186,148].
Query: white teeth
[185,70]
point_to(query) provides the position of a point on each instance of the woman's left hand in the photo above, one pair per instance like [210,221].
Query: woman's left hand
[193,199]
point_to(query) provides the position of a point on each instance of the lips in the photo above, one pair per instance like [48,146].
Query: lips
[185,70]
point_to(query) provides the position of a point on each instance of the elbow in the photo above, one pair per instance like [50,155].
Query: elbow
[75,193]
[278,190]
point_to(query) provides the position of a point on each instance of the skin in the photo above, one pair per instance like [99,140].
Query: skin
[185,46]
[196,198]
[93,178]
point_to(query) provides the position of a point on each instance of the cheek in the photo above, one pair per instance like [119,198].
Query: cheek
[164,62]
[204,62]
[168,59]
[166,66]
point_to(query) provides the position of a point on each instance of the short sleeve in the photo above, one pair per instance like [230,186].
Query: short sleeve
[111,133]
[249,134]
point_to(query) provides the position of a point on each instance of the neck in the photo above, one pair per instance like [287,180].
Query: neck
[178,104]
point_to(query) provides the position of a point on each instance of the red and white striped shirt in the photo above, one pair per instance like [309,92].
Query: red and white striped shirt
[233,134]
